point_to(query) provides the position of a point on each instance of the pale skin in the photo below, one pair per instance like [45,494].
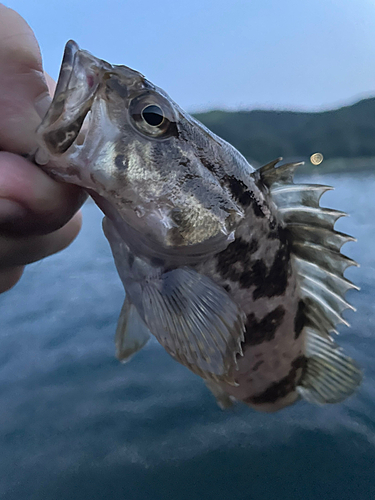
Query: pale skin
[38,216]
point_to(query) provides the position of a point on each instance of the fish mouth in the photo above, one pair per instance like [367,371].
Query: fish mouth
[79,79]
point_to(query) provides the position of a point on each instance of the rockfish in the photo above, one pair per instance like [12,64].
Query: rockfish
[237,272]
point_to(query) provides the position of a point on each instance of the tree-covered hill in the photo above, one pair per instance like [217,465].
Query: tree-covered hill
[348,132]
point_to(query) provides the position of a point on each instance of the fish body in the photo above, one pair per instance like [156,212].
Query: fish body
[237,272]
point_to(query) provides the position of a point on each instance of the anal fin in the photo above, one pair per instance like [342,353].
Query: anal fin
[330,376]
[131,334]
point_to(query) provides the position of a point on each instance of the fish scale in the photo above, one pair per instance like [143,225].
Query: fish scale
[238,273]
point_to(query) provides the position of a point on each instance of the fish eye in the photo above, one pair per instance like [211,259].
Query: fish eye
[153,115]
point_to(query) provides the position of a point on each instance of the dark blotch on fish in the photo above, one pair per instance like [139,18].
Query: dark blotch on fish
[130,259]
[184,162]
[175,236]
[212,167]
[264,330]
[275,281]
[177,216]
[256,207]
[113,84]
[61,139]
[241,193]
[267,282]
[157,262]
[238,190]
[280,389]
[300,318]
[278,233]
[120,162]
[238,251]
[257,365]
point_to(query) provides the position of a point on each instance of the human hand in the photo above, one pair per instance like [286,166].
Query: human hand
[36,213]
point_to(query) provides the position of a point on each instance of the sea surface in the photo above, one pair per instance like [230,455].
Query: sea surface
[75,424]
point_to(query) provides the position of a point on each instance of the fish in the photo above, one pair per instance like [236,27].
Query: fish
[236,271]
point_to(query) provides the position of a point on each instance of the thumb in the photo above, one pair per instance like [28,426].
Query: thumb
[23,88]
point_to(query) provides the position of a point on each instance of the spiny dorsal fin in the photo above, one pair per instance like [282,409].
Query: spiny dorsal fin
[315,245]
[283,174]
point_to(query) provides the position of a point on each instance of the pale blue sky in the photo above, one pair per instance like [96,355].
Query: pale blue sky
[206,54]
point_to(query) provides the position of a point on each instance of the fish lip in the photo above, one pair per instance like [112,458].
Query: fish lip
[80,64]
[67,66]
[79,71]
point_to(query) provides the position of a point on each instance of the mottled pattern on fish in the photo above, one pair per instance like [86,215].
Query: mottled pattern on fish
[257,271]
[237,273]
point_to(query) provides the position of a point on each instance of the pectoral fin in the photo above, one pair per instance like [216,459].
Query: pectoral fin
[131,334]
[196,321]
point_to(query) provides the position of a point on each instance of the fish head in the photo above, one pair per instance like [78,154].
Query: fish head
[145,161]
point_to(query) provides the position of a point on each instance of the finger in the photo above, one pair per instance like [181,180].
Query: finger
[22,251]
[51,84]
[44,205]
[22,84]
[9,277]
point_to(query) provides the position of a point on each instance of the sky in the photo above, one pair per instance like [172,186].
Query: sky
[215,54]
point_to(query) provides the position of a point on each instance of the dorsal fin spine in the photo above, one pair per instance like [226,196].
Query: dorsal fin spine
[314,242]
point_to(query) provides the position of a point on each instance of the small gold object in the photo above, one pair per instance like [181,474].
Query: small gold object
[316,158]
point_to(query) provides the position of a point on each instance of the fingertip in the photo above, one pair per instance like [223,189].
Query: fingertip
[20,251]
[18,42]
[50,83]
[59,240]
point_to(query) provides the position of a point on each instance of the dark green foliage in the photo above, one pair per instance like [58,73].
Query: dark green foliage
[348,132]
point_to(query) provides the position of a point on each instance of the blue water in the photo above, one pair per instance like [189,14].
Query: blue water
[76,424]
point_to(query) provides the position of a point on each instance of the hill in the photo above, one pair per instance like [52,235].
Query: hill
[347,132]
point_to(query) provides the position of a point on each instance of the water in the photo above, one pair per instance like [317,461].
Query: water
[76,424]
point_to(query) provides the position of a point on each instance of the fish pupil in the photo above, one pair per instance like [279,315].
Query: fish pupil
[153,115]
